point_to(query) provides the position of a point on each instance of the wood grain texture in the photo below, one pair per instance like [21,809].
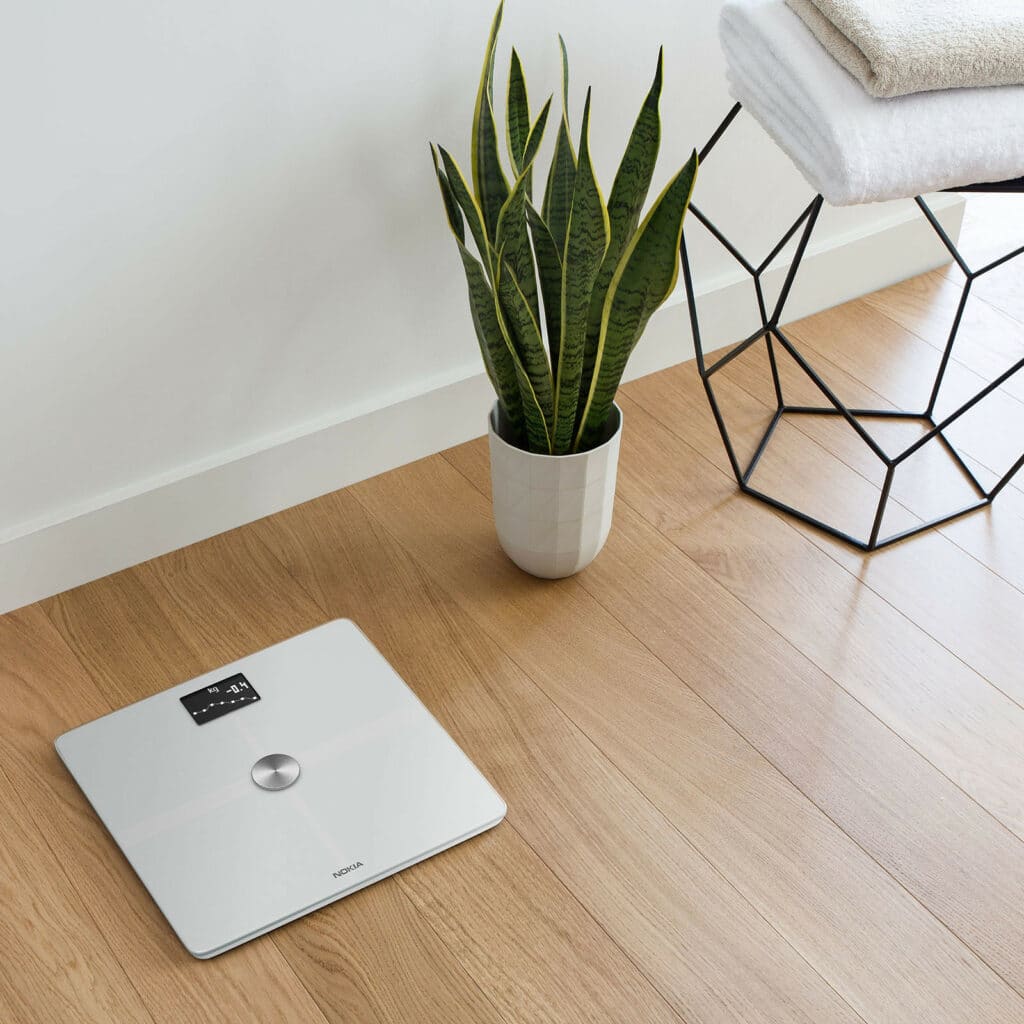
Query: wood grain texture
[229,595]
[772,843]
[43,692]
[641,880]
[752,776]
[49,944]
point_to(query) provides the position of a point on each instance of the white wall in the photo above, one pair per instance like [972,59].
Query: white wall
[219,230]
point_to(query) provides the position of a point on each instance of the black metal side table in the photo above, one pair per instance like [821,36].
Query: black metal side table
[770,332]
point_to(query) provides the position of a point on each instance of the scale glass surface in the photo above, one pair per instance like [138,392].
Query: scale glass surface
[277,784]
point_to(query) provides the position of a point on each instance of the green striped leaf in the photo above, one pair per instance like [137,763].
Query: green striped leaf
[549,271]
[533,144]
[565,78]
[644,278]
[467,204]
[451,204]
[490,335]
[625,201]
[586,241]
[489,181]
[527,351]
[517,129]
[558,193]
[498,359]
[513,240]
[562,175]
[526,337]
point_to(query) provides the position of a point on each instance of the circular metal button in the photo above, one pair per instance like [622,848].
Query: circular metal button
[275,771]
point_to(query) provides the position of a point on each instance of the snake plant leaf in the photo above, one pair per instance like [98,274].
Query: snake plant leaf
[533,142]
[586,242]
[526,337]
[489,182]
[562,175]
[526,348]
[625,201]
[513,240]
[467,204]
[558,192]
[549,271]
[517,109]
[490,334]
[565,78]
[497,356]
[451,204]
[644,278]
[633,178]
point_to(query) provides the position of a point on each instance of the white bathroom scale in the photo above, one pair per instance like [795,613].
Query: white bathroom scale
[277,784]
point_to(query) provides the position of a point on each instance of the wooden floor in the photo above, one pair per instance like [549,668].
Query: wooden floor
[752,775]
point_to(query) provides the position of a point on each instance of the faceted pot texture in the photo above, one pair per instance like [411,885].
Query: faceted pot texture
[553,513]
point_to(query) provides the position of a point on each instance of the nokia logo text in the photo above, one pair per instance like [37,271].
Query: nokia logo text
[346,870]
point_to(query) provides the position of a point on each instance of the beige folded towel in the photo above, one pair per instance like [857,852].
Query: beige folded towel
[896,47]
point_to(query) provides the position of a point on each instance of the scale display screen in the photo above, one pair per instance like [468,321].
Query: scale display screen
[219,699]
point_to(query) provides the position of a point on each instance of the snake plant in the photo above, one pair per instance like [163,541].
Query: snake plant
[598,271]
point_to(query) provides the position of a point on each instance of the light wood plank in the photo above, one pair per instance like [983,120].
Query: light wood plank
[989,340]
[876,351]
[230,596]
[801,871]
[137,633]
[704,948]
[927,486]
[943,846]
[976,614]
[54,964]
[43,692]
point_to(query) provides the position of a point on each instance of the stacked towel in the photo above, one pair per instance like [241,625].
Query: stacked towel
[851,147]
[894,48]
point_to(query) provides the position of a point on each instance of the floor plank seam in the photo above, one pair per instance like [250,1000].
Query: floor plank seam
[76,656]
[405,891]
[810,345]
[31,819]
[938,349]
[656,808]
[824,549]
[796,785]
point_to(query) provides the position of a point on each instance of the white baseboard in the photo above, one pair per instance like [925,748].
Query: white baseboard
[238,487]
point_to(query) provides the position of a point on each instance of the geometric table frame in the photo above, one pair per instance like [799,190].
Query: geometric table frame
[770,332]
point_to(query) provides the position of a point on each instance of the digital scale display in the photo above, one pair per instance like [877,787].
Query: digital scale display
[219,699]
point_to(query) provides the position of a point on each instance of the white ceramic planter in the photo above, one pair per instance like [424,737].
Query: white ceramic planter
[553,512]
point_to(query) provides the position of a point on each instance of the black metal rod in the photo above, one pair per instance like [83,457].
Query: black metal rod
[999,262]
[876,526]
[798,257]
[726,244]
[769,344]
[948,350]
[964,468]
[737,350]
[759,451]
[719,132]
[784,241]
[818,524]
[943,237]
[691,301]
[827,410]
[830,395]
[1006,478]
[932,524]
[954,416]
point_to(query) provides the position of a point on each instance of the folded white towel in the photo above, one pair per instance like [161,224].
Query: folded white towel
[895,48]
[851,147]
